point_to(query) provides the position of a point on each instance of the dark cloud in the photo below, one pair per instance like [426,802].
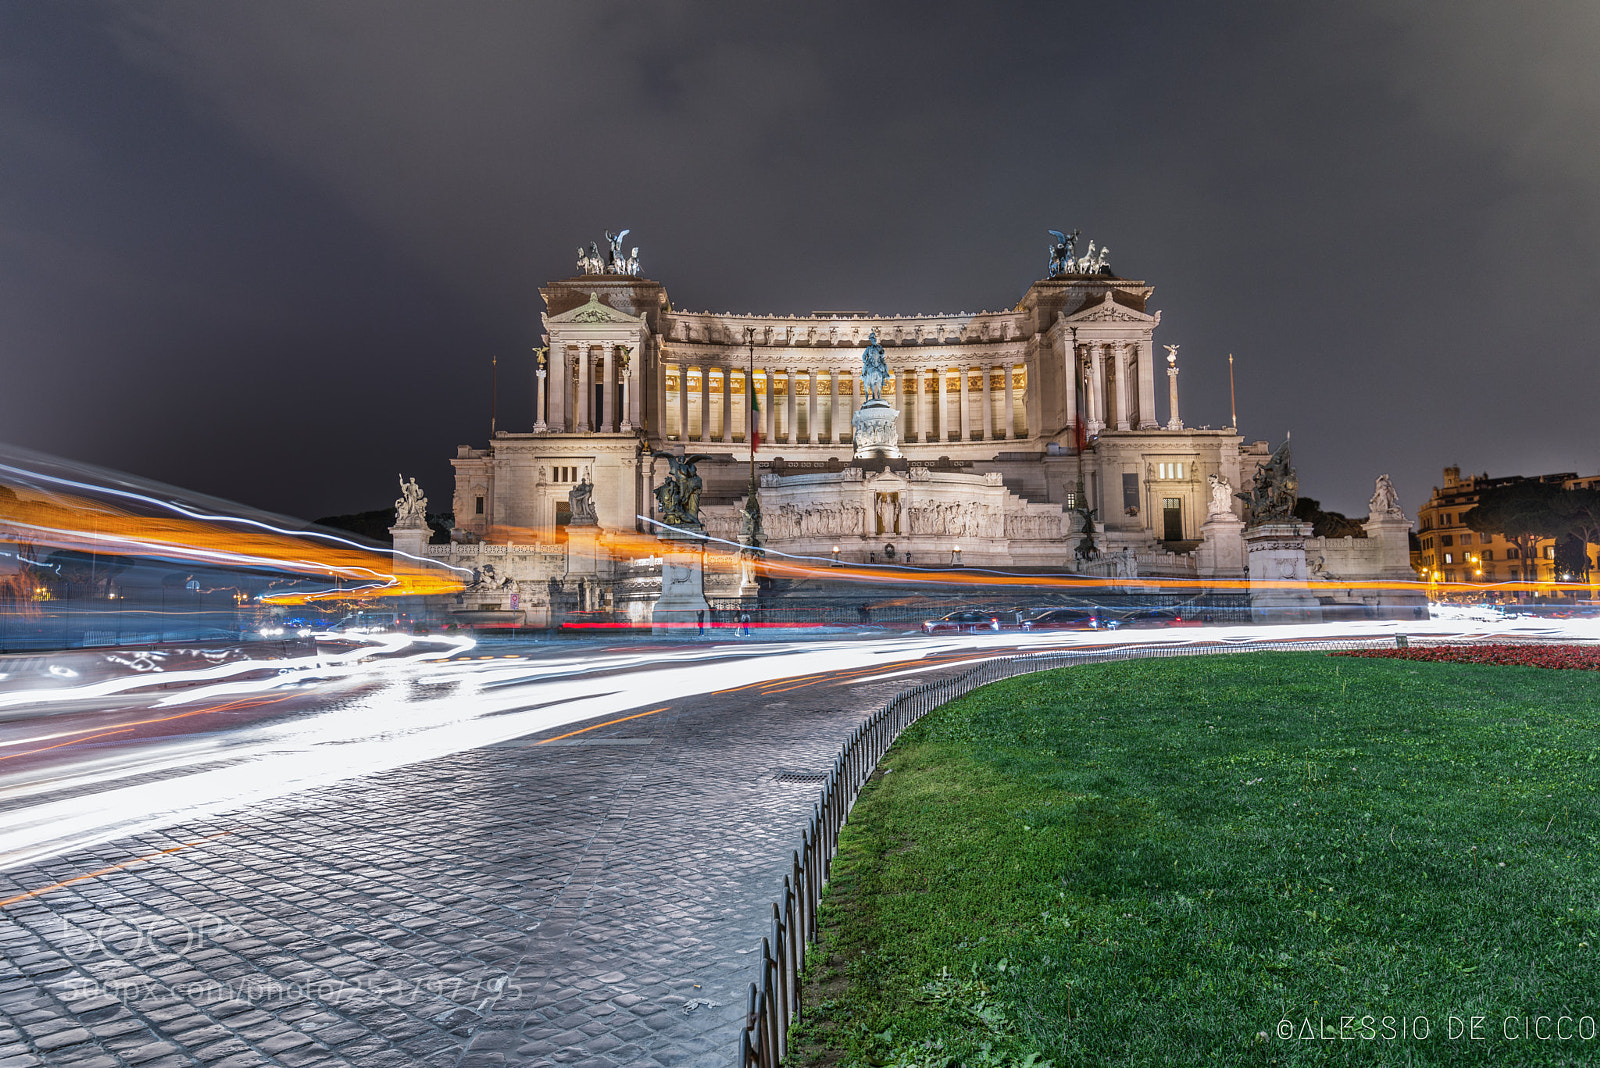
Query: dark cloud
[268,250]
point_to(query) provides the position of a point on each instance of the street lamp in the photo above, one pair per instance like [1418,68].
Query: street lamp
[955,556]
[835,556]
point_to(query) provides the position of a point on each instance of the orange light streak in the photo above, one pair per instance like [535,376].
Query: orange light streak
[106,871]
[67,521]
[607,723]
[129,725]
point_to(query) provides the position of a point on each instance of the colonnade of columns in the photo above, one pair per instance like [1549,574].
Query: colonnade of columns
[1117,396]
[565,396]
[970,402]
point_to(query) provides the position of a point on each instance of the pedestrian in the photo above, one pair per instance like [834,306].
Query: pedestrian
[700,622]
[744,624]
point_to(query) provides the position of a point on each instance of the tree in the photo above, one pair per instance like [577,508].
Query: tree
[1522,513]
[1581,508]
[1327,524]
[1572,557]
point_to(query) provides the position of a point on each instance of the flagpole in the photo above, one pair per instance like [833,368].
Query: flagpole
[750,392]
[1233,406]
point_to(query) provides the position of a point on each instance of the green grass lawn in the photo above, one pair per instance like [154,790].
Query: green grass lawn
[1177,861]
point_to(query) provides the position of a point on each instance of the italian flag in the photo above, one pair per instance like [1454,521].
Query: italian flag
[755,419]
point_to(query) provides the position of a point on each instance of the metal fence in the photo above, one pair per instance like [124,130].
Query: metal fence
[774,1003]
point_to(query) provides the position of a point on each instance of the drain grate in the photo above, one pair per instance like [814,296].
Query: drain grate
[784,775]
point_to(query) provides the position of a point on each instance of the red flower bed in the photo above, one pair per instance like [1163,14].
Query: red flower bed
[1571,657]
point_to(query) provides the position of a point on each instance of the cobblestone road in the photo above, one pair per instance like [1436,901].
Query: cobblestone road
[594,901]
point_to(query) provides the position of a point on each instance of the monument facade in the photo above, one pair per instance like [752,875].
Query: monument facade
[1024,437]
[1056,396]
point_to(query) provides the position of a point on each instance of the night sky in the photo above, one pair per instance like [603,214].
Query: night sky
[267,251]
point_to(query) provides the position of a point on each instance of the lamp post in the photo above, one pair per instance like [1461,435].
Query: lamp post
[835,556]
[955,556]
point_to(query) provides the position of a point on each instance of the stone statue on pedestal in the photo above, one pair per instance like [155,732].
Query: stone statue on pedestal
[580,500]
[751,533]
[1087,549]
[411,509]
[1221,494]
[875,424]
[874,368]
[1274,490]
[1385,502]
[679,495]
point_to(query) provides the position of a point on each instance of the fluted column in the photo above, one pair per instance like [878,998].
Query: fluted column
[624,371]
[556,388]
[539,393]
[727,405]
[904,389]
[988,402]
[1147,388]
[585,391]
[924,406]
[1097,376]
[683,401]
[853,377]
[811,407]
[625,364]
[789,408]
[833,406]
[1008,425]
[705,403]
[608,401]
[1176,422]
[942,384]
[657,419]
[966,376]
[1119,362]
[769,415]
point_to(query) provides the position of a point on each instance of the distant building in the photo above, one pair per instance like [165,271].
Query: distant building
[1450,551]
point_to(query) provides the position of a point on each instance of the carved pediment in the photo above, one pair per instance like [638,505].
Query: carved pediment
[595,312]
[1109,311]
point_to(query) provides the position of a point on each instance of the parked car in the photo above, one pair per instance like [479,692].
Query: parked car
[1064,619]
[967,622]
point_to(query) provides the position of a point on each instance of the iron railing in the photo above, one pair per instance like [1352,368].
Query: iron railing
[774,1001]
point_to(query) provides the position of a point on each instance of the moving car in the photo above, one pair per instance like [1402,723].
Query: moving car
[967,622]
[1064,619]
[1153,617]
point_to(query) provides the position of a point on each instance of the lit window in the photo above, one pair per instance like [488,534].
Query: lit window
[1449,558]
[1169,470]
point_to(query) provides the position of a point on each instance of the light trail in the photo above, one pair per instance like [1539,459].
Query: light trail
[393,721]
[58,512]
[777,563]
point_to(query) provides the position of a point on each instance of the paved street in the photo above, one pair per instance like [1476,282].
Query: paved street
[594,900]
[517,858]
